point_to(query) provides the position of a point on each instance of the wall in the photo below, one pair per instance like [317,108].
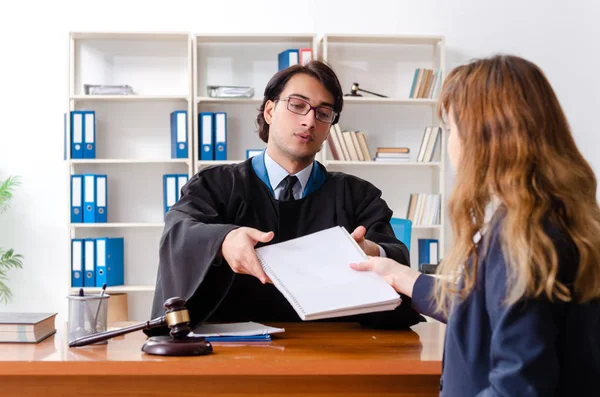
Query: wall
[33,81]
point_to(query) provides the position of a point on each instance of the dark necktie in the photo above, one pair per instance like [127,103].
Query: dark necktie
[288,183]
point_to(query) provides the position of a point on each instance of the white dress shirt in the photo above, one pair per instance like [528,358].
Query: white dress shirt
[277,174]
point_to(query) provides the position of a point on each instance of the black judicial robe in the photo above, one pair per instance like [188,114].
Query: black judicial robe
[220,199]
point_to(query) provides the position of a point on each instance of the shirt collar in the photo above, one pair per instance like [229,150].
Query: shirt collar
[277,173]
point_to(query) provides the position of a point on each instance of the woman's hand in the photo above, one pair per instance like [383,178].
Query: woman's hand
[401,277]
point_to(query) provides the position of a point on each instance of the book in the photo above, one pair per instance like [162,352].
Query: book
[339,138]
[364,147]
[26,327]
[393,150]
[332,146]
[313,273]
[357,147]
[347,135]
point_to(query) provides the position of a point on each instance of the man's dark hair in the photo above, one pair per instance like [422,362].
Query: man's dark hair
[317,69]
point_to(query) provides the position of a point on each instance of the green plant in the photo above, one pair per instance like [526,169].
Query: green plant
[8,258]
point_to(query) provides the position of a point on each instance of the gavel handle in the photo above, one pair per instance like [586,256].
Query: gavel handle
[372,93]
[102,336]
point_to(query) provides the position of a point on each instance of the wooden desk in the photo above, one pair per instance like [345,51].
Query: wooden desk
[317,359]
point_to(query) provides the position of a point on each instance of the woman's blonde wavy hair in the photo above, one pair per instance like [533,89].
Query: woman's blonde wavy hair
[516,143]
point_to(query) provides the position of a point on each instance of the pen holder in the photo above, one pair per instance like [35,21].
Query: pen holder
[87,315]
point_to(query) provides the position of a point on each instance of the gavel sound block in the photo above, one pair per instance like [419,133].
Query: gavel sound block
[177,343]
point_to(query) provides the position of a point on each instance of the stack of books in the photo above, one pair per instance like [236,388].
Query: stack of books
[392,154]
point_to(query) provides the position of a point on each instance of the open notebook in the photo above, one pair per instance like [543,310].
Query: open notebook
[314,275]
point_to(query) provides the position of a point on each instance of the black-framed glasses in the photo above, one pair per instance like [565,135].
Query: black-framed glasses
[299,106]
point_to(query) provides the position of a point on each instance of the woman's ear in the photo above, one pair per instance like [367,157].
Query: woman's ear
[268,112]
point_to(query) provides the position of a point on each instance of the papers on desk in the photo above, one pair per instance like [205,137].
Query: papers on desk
[236,332]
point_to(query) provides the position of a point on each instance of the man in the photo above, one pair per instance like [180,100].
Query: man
[207,249]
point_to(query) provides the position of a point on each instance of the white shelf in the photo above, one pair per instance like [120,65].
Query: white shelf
[383,39]
[388,65]
[129,161]
[347,100]
[205,99]
[133,144]
[145,36]
[384,163]
[254,38]
[116,225]
[129,98]
[426,227]
[115,289]
[390,101]
[190,62]
[217,162]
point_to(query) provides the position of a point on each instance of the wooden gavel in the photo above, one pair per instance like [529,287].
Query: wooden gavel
[354,91]
[177,343]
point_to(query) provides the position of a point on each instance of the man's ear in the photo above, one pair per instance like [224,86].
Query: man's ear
[268,112]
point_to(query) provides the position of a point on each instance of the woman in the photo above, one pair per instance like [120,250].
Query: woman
[521,289]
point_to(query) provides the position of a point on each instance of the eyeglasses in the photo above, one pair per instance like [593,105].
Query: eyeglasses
[324,114]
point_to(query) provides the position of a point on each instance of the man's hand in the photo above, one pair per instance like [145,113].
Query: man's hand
[238,251]
[369,247]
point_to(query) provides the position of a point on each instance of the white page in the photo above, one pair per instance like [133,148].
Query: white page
[313,273]
[235,329]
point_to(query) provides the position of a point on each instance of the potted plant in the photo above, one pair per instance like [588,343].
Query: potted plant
[8,258]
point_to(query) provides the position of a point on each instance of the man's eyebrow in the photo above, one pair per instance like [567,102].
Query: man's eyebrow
[308,99]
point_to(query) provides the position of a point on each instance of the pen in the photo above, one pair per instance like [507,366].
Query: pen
[98,308]
[88,311]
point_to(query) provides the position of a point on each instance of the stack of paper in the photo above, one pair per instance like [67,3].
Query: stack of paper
[236,332]
[229,91]
[313,273]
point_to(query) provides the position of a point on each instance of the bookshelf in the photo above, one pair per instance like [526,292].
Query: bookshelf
[170,71]
[386,65]
[133,141]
